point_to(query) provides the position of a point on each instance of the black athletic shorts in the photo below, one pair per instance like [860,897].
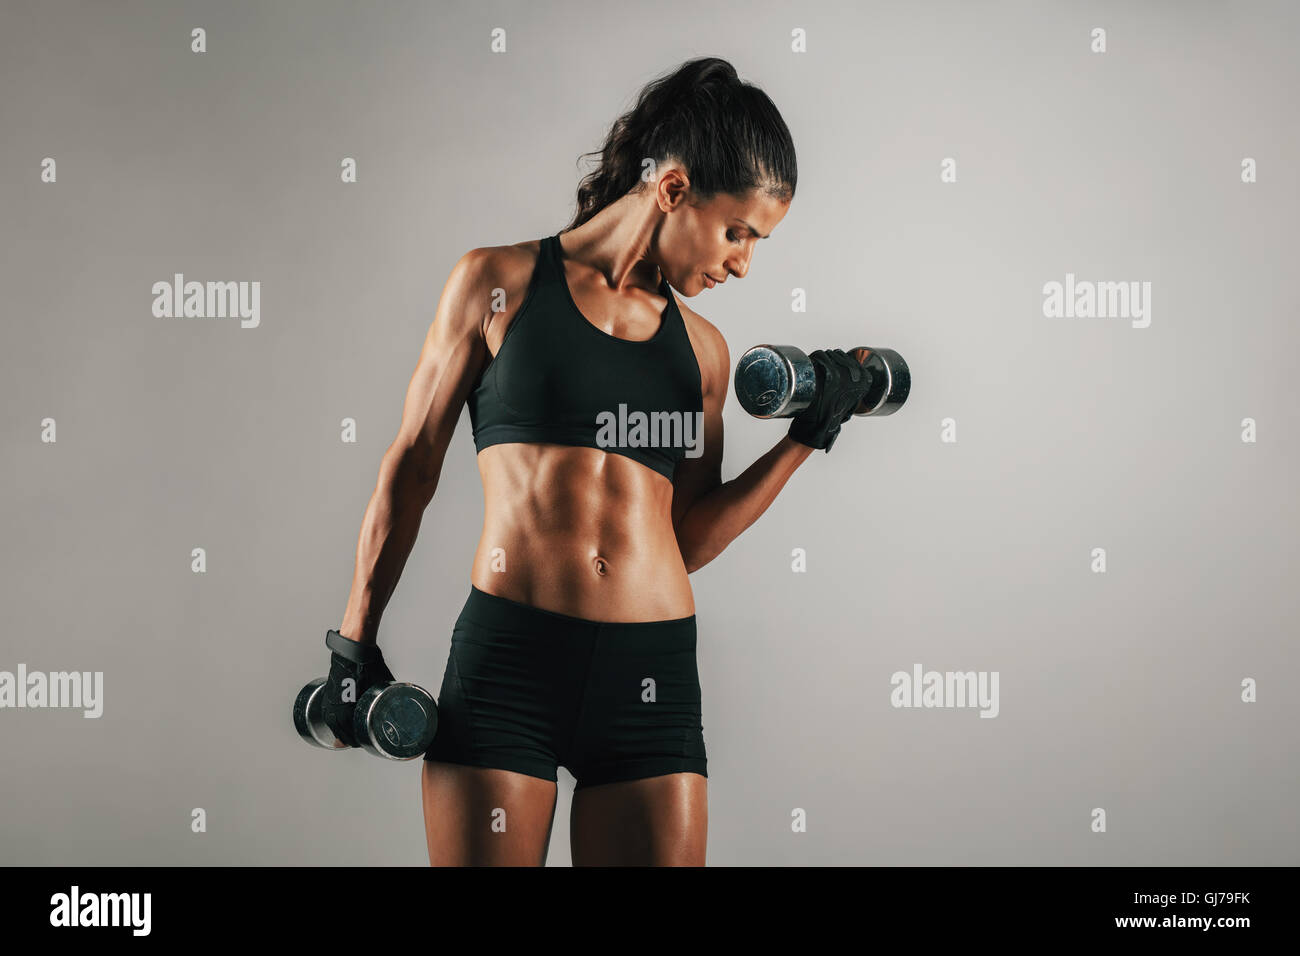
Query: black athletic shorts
[527,689]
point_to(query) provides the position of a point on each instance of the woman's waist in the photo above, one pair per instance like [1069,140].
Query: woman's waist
[492,618]
[582,576]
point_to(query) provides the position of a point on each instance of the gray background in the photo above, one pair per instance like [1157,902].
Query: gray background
[1118,690]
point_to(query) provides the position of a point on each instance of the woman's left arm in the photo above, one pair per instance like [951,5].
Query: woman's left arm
[709,513]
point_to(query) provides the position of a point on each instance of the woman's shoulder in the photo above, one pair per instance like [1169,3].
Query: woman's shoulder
[508,267]
[496,280]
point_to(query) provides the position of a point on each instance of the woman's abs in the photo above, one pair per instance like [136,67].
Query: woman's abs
[579,531]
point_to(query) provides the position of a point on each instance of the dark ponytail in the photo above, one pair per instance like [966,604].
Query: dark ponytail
[728,134]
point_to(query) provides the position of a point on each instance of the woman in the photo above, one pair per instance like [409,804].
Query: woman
[577,643]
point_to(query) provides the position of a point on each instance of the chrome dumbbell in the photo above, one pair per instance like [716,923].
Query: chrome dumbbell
[392,719]
[780,381]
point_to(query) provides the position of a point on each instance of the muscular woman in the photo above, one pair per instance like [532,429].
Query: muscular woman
[576,645]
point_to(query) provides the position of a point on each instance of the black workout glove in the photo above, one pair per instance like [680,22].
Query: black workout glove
[361,664]
[841,384]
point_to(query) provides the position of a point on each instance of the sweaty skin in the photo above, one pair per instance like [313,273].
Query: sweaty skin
[582,531]
[576,530]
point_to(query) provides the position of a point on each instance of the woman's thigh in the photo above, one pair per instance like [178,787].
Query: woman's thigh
[479,816]
[655,821]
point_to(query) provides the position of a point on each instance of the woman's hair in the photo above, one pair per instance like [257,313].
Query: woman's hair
[729,135]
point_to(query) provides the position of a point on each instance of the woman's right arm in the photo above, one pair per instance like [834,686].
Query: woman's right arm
[454,352]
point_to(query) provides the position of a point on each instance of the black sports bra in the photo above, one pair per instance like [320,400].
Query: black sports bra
[557,378]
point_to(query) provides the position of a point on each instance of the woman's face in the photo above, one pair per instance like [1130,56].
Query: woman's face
[715,239]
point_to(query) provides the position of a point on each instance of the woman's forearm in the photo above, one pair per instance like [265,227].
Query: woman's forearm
[716,519]
[388,533]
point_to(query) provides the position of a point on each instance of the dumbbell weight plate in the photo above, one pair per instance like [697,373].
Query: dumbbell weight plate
[891,380]
[775,381]
[308,717]
[396,720]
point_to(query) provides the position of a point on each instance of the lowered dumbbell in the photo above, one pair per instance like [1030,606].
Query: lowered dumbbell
[392,719]
[780,381]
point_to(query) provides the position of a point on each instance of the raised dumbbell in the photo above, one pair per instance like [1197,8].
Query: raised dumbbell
[780,381]
[392,719]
